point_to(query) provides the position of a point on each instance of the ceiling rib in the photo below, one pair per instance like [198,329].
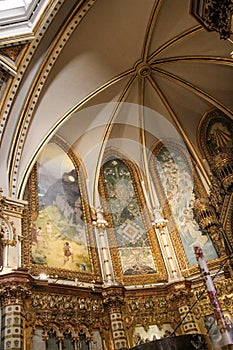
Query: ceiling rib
[180,128]
[174,41]
[141,98]
[107,132]
[150,29]
[195,90]
[198,59]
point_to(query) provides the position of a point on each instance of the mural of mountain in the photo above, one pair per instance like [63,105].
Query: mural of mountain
[67,187]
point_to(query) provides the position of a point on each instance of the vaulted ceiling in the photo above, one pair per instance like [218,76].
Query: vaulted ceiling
[98,72]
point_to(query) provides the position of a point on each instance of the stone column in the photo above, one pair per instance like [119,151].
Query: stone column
[113,298]
[188,321]
[100,223]
[13,291]
[180,296]
[160,225]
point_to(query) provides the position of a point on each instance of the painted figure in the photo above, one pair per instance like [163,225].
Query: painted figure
[67,252]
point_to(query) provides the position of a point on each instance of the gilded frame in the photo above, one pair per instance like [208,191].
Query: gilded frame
[31,194]
[143,279]
[186,269]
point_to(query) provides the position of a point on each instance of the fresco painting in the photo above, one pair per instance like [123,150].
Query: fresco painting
[130,231]
[177,183]
[58,234]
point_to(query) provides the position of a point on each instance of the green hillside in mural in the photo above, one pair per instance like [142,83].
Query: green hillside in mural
[56,243]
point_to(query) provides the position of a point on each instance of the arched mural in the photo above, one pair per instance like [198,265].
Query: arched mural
[61,234]
[130,230]
[133,243]
[58,233]
[173,172]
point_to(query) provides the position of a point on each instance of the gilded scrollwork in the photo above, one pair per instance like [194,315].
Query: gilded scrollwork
[216,194]
[14,293]
[147,310]
[66,311]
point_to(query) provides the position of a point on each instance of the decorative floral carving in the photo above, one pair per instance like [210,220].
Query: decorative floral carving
[14,293]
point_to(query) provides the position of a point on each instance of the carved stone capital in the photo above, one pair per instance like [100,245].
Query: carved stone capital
[180,295]
[14,289]
[113,297]
[14,294]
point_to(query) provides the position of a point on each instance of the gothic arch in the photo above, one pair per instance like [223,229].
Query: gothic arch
[215,132]
[73,184]
[126,241]
[177,184]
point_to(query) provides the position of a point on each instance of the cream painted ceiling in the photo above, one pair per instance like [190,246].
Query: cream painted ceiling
[95,66]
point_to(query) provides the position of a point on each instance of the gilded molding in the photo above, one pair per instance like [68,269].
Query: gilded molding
[39,80]
[11,52]
[66,308]
[24,62]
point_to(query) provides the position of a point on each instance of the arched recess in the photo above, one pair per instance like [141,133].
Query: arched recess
[67,337]
[8,237]
[52,337]
[215,140]
[177,185]
[134,248]
[59,237]
[215,133]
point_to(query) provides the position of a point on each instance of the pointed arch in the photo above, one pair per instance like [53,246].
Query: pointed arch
[134,247]
[215,133]
[60,235]
[177,183]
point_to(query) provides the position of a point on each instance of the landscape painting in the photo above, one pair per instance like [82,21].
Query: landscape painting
[58,234]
